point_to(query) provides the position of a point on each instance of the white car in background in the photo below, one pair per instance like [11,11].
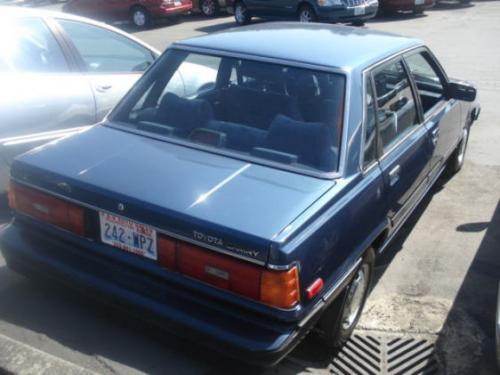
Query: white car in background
[59,74]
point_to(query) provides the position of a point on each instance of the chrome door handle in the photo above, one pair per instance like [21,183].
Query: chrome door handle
[435,136]
[394,175]
[103,88]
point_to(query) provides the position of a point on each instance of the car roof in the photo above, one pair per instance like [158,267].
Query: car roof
[341,47]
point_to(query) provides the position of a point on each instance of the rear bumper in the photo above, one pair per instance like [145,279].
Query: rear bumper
[347,14]
[244,335]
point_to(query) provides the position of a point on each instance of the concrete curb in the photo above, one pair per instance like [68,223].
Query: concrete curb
[21,359]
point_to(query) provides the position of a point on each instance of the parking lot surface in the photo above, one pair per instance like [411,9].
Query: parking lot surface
[436,283]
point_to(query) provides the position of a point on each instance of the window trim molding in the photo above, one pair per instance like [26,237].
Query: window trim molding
[368,72]
[435,65]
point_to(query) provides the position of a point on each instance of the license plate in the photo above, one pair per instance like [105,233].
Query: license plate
[419,2]
[358,11]
[128,235]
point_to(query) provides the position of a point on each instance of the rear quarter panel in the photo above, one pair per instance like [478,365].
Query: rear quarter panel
[339,227]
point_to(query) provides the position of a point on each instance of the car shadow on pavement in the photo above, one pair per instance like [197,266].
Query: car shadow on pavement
[218,27]
[394,17]
[451,5]
[469,328]
[396,244]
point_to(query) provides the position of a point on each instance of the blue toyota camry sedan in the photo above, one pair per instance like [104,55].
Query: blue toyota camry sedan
[241,191]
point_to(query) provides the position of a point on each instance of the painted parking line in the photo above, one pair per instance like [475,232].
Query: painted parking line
[18,358]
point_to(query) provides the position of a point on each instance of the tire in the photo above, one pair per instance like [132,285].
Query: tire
[340,318]
[359,23]
[139,17]
[241,14]
[209,8]
[418,10]
[457,158]
[306,14]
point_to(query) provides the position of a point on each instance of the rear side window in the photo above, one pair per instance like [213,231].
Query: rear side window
[276,113]
[105,51]
[427,79]
[27,45]
[396,109]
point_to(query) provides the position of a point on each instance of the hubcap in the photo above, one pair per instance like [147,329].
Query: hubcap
[240,13]
[355,297]
[139,18]
[305,16]
[463,146]
[208,7]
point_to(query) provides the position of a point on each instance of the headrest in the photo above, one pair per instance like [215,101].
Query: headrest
[301,84]
[183,113]
[312,142]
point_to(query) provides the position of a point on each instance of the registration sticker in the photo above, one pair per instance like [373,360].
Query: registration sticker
[128,235]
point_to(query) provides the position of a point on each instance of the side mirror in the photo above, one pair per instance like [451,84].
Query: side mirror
[461,91]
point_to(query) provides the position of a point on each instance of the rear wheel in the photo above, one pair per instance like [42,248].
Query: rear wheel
[358,23]
[241,14]
[339,320]
[139,17]
[306,14]
[209,8]
[418,10]
[457,159]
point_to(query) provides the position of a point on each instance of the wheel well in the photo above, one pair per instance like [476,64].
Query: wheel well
[304,3]
[379,241]
[137,6]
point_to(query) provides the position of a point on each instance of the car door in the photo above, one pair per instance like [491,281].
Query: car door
[405,148]
[270,8]
[112,62]
[442,116]
[42,97]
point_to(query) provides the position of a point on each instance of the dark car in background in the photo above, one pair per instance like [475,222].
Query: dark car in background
[211,8]
[355,11]
[415,6]
[139,12]
[247,207]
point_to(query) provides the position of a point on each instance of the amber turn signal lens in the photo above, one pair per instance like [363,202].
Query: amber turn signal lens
[280,288]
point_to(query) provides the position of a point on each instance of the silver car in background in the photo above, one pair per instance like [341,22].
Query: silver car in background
[58,75]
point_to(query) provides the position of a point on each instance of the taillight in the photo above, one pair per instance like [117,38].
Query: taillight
[280,289]
[45,207]
[275,288]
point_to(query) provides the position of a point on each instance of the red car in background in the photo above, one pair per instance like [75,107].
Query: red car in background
[415,6]
[139,12]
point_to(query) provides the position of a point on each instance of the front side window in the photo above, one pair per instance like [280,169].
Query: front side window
[429,84]
[277,113]
[27,45]
[104,51]
[396,109]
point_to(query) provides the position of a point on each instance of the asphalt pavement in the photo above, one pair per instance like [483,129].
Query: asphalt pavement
[438,280]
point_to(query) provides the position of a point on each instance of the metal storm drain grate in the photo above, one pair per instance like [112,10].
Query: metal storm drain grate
[391,355]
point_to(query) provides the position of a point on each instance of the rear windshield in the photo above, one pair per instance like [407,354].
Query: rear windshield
[252,110]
